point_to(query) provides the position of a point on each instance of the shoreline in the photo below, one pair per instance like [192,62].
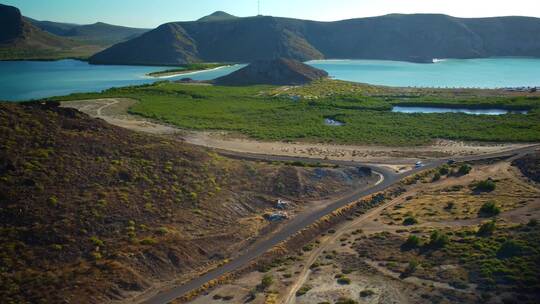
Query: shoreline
[178,73]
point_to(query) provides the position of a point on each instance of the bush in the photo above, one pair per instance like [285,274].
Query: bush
[148,241]
[485,186]
[436,177]
[366,293]
[438,240]
[96,242]
[489,209]
[411,268]
[412,242]
[266,282]
[464,169]
[303,290]
[344,281]
[532,223]
[510,249]
[444,170]
[487,229]
[449,206]
[346,301]
[410,220]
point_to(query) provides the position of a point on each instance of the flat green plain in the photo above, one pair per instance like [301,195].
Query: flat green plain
[298,113]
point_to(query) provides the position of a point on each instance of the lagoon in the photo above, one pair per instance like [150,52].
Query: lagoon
[24,80]
[427,110]
[445,73]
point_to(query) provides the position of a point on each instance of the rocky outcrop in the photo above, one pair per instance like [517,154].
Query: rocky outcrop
[275,72]
[11,24]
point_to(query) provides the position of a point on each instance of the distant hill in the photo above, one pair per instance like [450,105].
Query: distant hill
[19,39]
[98,33]
[418,38]
[275,72]
[218,16]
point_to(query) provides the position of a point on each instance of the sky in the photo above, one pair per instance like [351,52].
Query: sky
[151,13]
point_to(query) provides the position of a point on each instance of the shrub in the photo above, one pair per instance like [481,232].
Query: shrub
[266,282]
[148,241]
[53,201]
[449,206]
[458,284]
[96,241]
[346,301]
[444,170]
[489,209]
[436,176]
[487,185]
[510,249]
[532,223]
[366,293]
[487,228]
[410,220]
[303,290]
[438,240]
[411,268]
[464,169]
[412,242]
[344,281]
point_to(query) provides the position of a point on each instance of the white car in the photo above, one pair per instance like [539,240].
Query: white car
[419,164]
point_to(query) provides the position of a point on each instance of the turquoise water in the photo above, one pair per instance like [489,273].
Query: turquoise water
[467,73]
[24,80]
[494,111]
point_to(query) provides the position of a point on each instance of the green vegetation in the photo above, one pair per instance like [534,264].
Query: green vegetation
[489,209]
[410,220]
[487,229]
[193,67]
[487,185]
[303,290]
[266,282]
[464,169]
[261,113]
[344,281]
[412,242]
[437,240]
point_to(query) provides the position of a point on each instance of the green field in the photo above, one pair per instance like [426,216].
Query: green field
[269,113]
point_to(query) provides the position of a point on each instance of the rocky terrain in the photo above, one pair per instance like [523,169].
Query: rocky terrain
[275,72]
[90,212]
[418,38]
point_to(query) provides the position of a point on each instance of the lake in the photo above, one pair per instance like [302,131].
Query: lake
[463,73]
[425,110]
[24,80]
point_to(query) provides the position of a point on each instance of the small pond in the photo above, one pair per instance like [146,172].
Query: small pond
[332,122]
[426,110]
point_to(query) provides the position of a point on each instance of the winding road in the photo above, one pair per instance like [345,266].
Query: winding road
[388,178]
[300,222]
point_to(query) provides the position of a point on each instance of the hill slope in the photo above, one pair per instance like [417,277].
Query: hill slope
[19,39]
[90,212]
[274,72]
[397,37]
[217,16]
[98,33]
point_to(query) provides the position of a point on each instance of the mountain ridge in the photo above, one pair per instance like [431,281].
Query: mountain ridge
[416,38]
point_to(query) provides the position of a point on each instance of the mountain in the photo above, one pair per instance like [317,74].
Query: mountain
[275,72]
[418,37]
[20,39]
[99,33]
[217,16]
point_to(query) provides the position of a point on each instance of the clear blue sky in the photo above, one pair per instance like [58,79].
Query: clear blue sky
[151,13]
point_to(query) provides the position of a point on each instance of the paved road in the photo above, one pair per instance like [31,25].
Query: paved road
[303,220]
